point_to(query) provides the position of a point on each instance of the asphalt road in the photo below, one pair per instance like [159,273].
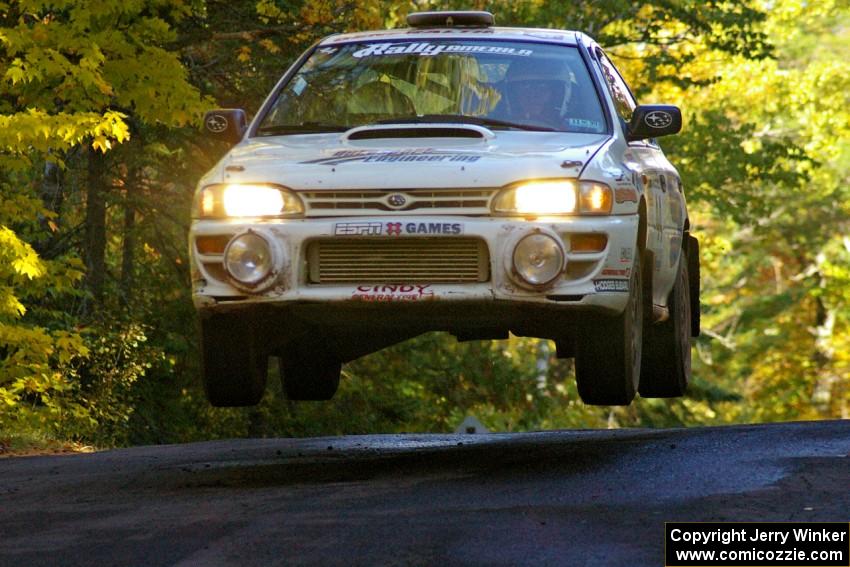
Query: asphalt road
[554,498]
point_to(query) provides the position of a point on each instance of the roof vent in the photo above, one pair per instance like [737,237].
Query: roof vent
[450,19]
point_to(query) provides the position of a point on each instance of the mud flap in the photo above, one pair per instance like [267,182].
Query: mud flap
[648,261]
[692,250]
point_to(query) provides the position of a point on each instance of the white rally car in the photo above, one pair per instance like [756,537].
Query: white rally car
[450,176]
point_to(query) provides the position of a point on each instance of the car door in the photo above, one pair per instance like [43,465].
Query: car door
[657,177]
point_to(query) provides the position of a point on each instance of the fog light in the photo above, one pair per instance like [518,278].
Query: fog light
[538,259]
[248,259]
[212,244]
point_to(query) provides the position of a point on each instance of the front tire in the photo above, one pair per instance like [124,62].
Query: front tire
[233,367]
[666,368]
[608,360]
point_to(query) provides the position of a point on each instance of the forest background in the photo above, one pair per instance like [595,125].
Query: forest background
[101,147]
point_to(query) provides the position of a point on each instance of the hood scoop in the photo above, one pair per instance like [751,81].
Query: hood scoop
[408,131]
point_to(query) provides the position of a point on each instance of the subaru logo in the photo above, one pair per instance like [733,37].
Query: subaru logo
[658,119]
[397,201]
[216,123]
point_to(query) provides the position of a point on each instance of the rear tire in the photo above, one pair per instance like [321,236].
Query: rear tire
[666,368]
[233,367]
[608,359]
[305,377]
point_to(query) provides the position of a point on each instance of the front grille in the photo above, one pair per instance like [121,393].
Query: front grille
[395,201]
[398,260]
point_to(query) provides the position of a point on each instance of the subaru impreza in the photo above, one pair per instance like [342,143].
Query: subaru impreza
[450,176]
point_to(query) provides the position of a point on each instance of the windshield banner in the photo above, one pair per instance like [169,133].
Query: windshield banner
[429,49]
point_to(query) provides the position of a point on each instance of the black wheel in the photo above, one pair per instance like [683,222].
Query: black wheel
[666,367]
[305,377]
[233,367]
[608,359]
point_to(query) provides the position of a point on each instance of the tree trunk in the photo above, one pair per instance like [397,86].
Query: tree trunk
[824,360]
[129,241]
[95,230]
[52,193]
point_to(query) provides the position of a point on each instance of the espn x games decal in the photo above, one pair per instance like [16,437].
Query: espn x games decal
[397,228]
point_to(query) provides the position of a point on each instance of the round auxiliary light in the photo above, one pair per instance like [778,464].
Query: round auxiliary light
[538,259]
[248,259]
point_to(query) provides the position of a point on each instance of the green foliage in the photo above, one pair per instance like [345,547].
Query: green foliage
[30,354]
[73,73]
[119,356]
[21,263]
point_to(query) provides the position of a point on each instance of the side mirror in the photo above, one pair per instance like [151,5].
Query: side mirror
[226,124]
[654,120]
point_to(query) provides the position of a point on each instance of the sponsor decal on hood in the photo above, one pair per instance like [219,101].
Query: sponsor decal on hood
[413,155]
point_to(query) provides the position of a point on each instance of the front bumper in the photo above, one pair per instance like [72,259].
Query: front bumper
[591,280]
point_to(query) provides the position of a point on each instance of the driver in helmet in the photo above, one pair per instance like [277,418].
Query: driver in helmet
[535,91]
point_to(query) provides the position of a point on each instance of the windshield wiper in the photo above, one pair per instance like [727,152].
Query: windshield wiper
[463,119]
[303,128]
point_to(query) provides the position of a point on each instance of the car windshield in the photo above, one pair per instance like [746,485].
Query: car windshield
[498,84]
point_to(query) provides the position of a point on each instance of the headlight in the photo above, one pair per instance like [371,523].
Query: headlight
[554,197]
[538,259]
[247,200]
